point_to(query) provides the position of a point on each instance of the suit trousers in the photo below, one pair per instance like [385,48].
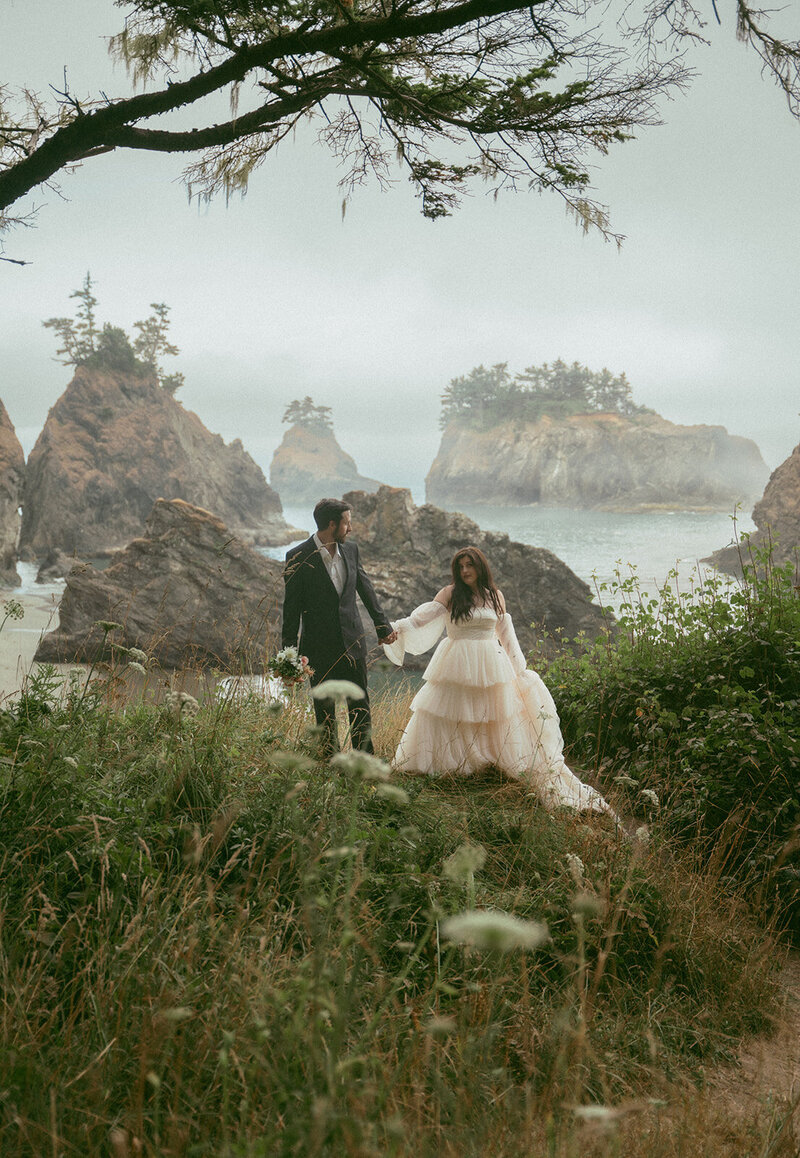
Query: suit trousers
[357,710]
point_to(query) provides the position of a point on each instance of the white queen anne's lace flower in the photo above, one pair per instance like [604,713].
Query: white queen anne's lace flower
[486,929]
[337,690]
[651,797]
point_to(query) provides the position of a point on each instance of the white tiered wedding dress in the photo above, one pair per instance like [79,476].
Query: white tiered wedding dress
[480,706]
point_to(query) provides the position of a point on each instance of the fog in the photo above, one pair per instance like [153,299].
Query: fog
[277,295]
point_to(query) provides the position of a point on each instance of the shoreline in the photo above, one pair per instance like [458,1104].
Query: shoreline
[20,637]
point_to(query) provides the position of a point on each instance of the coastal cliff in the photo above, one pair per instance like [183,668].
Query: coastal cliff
[12,472]
[406,550]
[113,444]
[310,464]
[776,516]
[596,461]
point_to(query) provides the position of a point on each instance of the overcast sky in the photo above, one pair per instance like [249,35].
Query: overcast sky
[276,296]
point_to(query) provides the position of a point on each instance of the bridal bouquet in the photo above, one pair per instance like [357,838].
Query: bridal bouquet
[290,667]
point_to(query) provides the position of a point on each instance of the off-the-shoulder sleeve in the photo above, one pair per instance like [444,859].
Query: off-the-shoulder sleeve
[418,632]
[508,638]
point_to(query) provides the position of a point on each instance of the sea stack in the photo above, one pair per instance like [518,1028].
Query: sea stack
[600,461]
[310,464]
[114,443]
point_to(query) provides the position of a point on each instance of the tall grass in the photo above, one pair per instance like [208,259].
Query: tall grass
[212,944]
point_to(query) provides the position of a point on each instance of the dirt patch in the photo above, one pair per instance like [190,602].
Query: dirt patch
[769,1065]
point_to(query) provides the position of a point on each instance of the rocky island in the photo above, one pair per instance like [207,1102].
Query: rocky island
[777,519]
[116,441]
[310,463]
[12,473]
[567,437]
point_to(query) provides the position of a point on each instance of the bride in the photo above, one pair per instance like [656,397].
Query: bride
[480,706]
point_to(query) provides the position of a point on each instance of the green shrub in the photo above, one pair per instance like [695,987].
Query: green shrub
[696,698]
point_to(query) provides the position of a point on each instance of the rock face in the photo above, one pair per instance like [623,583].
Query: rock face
[777,517]
[600,461]
[186,593]
[111,446]
[12,472]
[310,465]
[406,550]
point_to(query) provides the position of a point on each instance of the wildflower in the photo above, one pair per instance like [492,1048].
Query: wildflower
[108,625]
[340,853]
[183,704]
[575,866]
[392,793]
[138,656]
[360,765]
[71,761]
[651,797]
[586,904]
[626,781]
[292,762]
[13,609]
[337,690]
[493,930]
[642,834]
[466,860]
[137,666]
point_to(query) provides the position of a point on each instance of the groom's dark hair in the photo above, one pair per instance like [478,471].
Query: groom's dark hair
[329,511]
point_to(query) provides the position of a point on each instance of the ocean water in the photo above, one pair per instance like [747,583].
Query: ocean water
[596,544]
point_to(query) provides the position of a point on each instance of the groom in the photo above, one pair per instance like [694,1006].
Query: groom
[322,577]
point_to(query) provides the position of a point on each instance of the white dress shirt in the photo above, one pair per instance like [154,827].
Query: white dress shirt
[334,563]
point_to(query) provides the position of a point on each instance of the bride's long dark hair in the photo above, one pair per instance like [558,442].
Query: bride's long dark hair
[463,600]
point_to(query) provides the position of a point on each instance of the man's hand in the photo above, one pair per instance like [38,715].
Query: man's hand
[390,638]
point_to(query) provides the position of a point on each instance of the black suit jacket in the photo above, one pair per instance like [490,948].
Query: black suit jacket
[329,625]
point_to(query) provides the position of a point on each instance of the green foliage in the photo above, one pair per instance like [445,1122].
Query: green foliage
[485,398]
[151,345]
[303,412]
[114,352]
[696,698]
[78,335]
[212,944]
[110,347]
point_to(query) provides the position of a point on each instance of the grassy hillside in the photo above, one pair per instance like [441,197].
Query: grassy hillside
[212,945]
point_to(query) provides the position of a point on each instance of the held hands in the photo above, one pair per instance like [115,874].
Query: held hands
[390,638]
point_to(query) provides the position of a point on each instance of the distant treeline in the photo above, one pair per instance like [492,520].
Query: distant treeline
[487,397]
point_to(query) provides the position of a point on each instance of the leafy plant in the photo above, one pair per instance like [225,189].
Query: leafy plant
[696,700]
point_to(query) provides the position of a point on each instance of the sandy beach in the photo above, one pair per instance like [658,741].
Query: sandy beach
[20,637]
